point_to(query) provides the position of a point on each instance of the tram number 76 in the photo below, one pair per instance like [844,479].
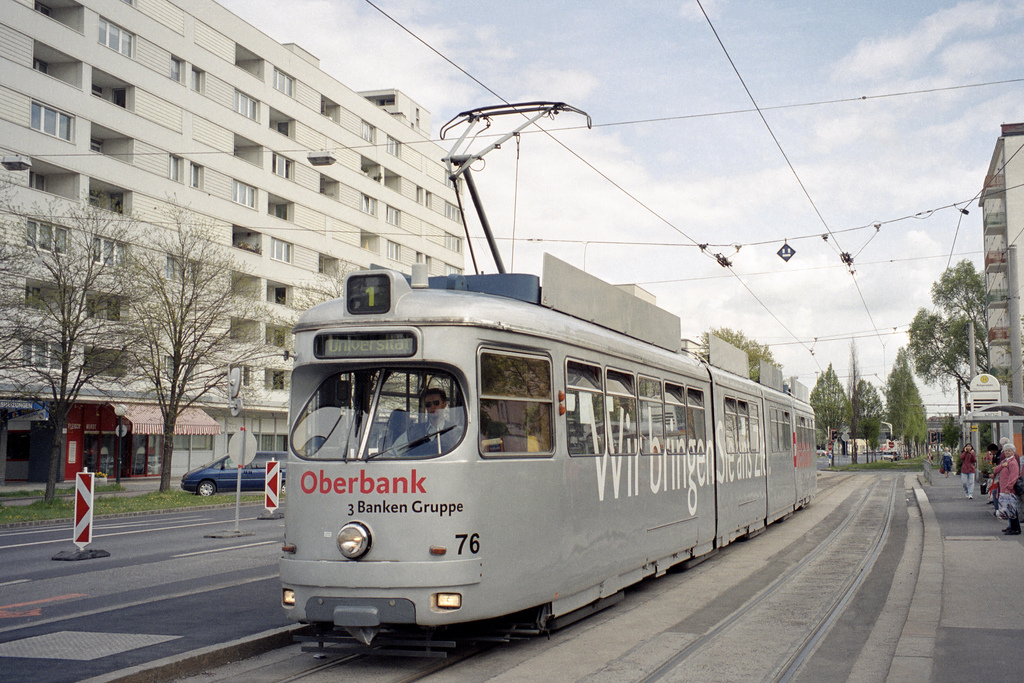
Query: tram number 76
[474,542]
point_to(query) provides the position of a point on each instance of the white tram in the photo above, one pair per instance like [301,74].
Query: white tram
[477,447]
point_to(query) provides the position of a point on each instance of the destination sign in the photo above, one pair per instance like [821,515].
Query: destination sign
[365,345]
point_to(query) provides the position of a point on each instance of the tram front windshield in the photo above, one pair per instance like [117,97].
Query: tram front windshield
[381,413]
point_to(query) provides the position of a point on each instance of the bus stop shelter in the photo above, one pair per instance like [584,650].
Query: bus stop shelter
[1007,419]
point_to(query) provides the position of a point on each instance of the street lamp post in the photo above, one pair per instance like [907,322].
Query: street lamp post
[119,409]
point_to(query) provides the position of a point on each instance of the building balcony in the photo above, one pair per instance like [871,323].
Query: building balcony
[995,222]
[998,334]
[995,259]
[996,298]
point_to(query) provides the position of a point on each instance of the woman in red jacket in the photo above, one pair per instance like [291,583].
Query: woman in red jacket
[968,467]
[1008,471]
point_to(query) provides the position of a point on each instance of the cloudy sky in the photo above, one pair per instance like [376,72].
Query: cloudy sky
[887,112]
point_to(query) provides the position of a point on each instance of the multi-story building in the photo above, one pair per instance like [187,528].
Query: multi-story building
[1003,220]
[133,105]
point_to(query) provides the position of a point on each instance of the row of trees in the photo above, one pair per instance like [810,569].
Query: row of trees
[96,303]
[859,405]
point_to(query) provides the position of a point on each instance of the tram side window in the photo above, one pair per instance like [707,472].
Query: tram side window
[755,429]
[652,431]
[773,429]
[786,433]
[730,425]
[583,414]
[515,404]
[676,432]
[742,427]
[695,417]
[621,406]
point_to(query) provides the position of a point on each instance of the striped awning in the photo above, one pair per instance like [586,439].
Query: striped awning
[149,420]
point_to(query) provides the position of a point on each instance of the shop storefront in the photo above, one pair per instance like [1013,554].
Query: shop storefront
[93,443]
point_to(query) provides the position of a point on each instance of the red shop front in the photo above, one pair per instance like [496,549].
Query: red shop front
[93,442]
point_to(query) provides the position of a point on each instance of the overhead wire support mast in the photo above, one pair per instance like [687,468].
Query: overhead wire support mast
[458,161]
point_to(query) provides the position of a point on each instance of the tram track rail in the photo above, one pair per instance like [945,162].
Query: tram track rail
[817,627]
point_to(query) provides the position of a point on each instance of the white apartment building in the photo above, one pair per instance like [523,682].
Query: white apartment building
[1003,220]
[134,104]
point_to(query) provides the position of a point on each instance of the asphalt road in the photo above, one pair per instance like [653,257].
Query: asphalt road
[164,590]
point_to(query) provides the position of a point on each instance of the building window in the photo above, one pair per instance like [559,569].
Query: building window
[424,259]
[176,170]
[43,9]
[274,380]
[104,307]
[107,252]
[328,265]
[452,270]
[244,194]
[45,237]
[277,294]
[52,122]
[283,82]
[451,211]
[40,65]
[195,175]
[198,80]
[247,106]
[393,251]
[116,38]
[369,133]
[394,216]
[394,147]
[280,250]
[36,181]
[40,355]
[452,243]
[174,270]
[369,205]
[177,69]
[282,166]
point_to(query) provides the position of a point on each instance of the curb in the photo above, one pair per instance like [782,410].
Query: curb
[196,661]
[915,653]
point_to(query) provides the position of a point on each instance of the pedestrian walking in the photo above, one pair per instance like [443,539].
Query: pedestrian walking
[1008,471]
[947,461]
[968,467]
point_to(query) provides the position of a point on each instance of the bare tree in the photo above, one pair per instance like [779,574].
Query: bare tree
[186,296]
[326,285]
[70,329]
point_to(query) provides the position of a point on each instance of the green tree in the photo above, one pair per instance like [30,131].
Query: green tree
[756,351]
[939,341]
[950,432]
[903,404]
[829,402]
[869,423]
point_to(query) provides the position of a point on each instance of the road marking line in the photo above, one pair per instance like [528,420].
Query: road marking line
[12,583]
[7,611]
[221,550]
[121,533]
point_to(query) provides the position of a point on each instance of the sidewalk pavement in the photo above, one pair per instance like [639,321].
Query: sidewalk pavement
[965,621]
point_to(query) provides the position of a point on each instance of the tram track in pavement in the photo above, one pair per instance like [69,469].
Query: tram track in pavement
[861,518]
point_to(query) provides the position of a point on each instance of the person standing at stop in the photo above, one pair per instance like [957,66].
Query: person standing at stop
[968,467]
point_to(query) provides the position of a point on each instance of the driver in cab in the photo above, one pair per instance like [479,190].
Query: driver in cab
[438,433]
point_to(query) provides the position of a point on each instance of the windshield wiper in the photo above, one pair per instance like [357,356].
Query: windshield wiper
[412,444]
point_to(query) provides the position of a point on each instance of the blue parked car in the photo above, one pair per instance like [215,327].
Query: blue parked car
[222,474]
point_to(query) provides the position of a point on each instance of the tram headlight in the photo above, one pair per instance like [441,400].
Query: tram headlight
[354,540]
